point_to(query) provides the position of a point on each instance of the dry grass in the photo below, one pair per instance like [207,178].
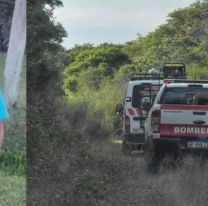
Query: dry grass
[83,167]
[76,162]
[186,186]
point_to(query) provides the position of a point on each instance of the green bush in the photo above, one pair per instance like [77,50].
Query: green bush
[13,163]
[197,72]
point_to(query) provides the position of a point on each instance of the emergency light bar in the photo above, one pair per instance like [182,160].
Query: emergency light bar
[174,65]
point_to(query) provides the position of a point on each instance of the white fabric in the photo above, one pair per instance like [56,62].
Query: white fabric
[15,52]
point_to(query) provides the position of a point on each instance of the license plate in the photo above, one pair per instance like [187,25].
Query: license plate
[197,144]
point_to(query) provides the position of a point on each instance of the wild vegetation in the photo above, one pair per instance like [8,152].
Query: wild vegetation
[7,7]
[74,155]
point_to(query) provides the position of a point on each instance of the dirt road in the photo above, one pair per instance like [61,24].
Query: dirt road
[98,174]
[169,186]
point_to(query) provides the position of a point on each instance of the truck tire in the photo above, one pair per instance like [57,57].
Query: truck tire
[152,158]
[126,149]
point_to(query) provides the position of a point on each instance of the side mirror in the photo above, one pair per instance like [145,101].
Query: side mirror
[146,106]
[119,109]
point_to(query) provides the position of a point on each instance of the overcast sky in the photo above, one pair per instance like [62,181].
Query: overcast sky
[113,21]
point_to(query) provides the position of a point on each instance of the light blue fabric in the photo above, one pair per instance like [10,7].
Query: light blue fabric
[3,109]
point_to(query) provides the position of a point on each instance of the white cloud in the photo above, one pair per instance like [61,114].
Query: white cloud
[99,21]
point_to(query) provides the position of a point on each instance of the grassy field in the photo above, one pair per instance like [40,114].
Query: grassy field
[12,190]
[12,156]
[82,168]
[102,176]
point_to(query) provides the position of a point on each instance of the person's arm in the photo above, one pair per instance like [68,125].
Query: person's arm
[4,115]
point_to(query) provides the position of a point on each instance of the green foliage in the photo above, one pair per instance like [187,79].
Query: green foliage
[7,7]
[44,52]
[197,72]
[91,65]
[182,38]
[45,60]
[91,77]
[12,190]
[13,163]
[102,102]
[128,69]
[105,99]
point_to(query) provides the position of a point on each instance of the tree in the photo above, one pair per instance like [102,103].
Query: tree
[183,38]
[90,65]
[46,59]
[44,37]
[7,7]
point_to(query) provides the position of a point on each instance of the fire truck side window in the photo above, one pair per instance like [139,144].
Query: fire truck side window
[136,96]
[144,93]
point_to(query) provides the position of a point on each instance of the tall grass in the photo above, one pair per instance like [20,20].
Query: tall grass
[186,185]
[12,190]
[81,163]
[13,163]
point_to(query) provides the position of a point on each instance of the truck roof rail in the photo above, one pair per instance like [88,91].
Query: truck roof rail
[185,81]
[146,76]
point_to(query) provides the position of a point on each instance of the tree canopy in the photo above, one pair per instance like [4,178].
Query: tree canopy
[45,61]
[44,37]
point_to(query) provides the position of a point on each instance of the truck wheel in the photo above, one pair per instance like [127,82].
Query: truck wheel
[148,152]
[177,160]
[152,158]
[126,148]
